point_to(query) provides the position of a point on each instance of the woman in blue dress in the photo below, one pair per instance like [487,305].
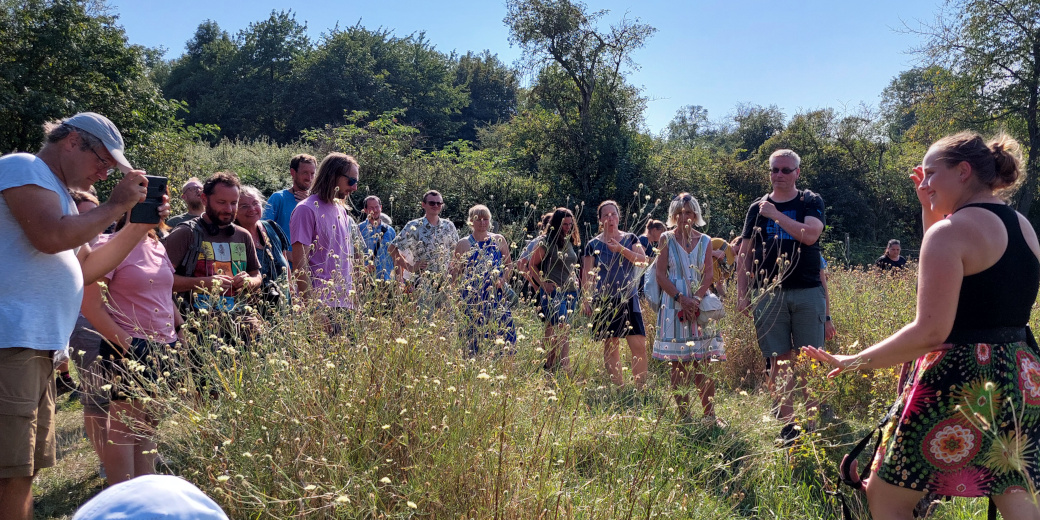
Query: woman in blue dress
[482,266]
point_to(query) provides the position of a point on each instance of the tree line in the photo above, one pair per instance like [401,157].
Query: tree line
[418,117]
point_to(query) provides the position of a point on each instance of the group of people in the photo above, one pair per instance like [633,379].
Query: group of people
[114,293]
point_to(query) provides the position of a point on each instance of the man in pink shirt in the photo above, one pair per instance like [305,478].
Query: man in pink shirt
[321,232]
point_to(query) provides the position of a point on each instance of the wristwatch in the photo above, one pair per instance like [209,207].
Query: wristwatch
[828,317]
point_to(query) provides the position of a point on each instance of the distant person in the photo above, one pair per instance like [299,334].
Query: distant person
[891,259]
[429,241]
[482,266]
[553,270]
[282,203]
[191,194]
[649,240]
[46,261]
[378,236]
[723,260]
[967,423]
[608,277]
[685,273]
[779,260]
[323,252]
[523,262]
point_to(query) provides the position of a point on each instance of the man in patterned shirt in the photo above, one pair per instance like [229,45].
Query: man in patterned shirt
[428,241]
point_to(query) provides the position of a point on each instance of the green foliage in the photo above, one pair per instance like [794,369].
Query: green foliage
[59,57]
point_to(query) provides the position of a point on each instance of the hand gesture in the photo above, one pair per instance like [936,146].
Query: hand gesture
[768,210]
[840,363]
[614,246]
[918,178]
[239,281]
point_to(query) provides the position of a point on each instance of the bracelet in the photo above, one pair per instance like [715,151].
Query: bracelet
[677,296]
[696,298]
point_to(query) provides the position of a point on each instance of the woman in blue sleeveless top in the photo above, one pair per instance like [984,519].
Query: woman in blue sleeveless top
[968,421]
[482,265]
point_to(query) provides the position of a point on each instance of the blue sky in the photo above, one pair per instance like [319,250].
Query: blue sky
[717,54]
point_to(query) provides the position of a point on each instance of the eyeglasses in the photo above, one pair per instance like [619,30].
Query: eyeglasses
[351,181]
[434,203]
[785,171]
[105,164]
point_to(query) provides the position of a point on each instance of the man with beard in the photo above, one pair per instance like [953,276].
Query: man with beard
[215,261]
[191,194]
[282,203]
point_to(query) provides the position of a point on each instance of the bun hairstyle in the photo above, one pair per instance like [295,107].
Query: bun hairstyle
[996,164]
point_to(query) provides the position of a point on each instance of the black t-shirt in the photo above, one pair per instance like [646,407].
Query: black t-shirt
[885,263]
[778,257]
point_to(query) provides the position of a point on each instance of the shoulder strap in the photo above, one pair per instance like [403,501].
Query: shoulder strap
[191,255]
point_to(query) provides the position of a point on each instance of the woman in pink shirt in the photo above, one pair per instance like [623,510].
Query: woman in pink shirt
[139,320]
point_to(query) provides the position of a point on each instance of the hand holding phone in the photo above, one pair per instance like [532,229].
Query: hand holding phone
[147,211]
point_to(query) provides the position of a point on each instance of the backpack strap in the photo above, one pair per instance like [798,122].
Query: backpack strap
[191,255]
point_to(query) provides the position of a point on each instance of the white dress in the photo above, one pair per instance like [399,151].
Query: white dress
[684,340]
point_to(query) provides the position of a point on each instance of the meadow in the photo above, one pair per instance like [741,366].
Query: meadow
[391,419]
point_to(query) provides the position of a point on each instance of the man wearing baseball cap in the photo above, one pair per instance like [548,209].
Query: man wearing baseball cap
[191,194]
[46,262]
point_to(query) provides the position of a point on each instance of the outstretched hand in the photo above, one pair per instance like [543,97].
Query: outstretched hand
[918,178]
[839,362]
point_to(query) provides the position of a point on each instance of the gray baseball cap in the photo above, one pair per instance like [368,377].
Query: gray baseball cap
[99,126]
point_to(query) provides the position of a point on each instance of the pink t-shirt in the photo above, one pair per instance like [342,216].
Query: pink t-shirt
[140,292]
[325,228]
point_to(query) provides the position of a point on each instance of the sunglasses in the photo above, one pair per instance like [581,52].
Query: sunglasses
[683,198]
[434,203]
[351,181]
[785,171]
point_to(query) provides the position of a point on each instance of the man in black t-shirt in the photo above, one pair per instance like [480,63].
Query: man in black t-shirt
[779,260]
[891,257]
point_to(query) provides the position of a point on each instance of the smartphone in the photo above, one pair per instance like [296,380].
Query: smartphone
[147,211]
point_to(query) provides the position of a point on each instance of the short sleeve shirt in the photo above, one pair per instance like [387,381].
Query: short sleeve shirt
[616,273]
[428,243]
[41,293]
[778,256]
[140,292]
[326,229]
[221,253]
[377,240]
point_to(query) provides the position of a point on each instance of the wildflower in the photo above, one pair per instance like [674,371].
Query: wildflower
[310,487]
[451,389]
[412,505]
[401,341]
[483,375]
[343,499]
[223,478]
[385,480]
[247,455]
[386,426]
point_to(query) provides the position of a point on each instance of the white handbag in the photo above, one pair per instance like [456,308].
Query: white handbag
[710,309]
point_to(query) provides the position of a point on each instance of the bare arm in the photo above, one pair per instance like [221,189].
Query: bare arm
[507,259]
[38,212]
[94,309]
[807,232]
[96,263]
[941,274]
[457,263]
[302,272]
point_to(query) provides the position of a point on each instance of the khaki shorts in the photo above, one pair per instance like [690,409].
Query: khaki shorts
[26,411]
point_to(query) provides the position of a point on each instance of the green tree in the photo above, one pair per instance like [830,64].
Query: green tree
[492,87]
[204,77]
[993,49]
[59,57]
[581,78]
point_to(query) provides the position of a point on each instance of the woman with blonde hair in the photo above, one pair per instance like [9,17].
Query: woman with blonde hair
[968,421]
[482,264]
[685,272]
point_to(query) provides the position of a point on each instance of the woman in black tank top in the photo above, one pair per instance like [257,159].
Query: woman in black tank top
[967,423]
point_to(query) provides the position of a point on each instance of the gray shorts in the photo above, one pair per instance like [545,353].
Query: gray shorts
[84,350]
[789,319]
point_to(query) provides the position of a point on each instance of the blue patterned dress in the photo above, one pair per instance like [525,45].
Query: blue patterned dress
[488,312]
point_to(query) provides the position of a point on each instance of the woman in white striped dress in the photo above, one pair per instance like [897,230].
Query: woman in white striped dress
[684,273]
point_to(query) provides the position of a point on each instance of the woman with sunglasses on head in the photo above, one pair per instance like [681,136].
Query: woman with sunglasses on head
[323,249]
[968,422]
[483,264]
[553,270]
[610,260]
[685,272]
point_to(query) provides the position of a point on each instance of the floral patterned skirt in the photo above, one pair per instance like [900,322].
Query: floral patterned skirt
[968,424]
